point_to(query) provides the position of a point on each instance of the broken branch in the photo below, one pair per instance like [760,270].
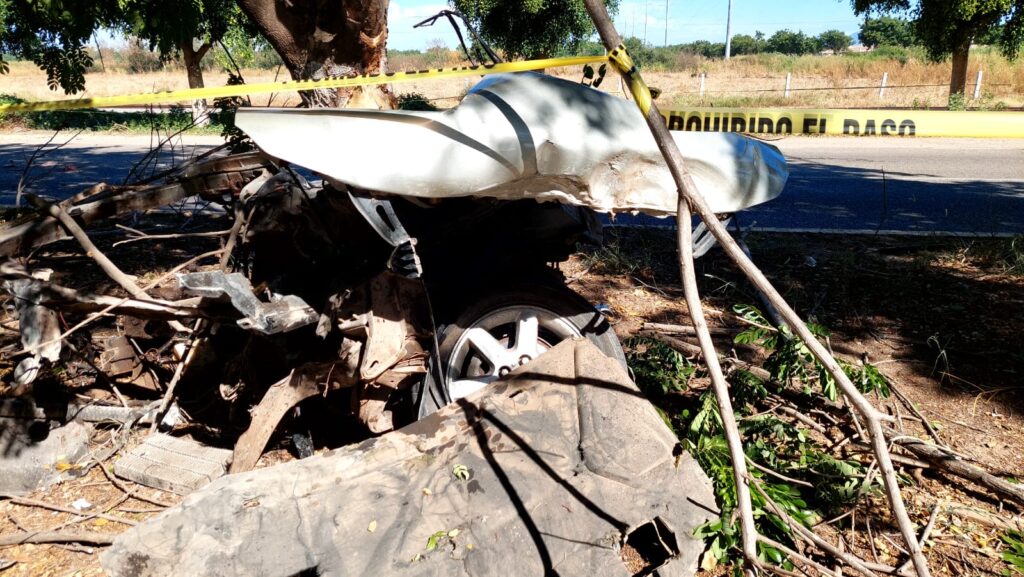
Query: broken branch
[52,507]
[952,464]
[57,537]
[691,197]
[111,269]
[141,237]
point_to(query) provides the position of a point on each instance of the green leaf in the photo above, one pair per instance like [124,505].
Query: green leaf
[435,539]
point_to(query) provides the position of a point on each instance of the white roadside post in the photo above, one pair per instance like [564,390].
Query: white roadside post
[977,85]
[789,79]
[881,89]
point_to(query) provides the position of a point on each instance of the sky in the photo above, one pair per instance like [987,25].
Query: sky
[688,20]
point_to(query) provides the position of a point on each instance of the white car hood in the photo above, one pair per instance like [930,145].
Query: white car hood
[519,136]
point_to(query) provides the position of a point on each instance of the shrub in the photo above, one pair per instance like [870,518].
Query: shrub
[139,59]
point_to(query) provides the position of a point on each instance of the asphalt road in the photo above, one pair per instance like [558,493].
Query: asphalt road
[905,186]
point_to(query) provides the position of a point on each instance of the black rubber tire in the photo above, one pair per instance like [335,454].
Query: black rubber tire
[556,298]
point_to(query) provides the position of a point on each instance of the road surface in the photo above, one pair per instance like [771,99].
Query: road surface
[907,186]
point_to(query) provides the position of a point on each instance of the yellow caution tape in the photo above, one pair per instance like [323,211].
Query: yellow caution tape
[267,87]
[863,122]
[623,62]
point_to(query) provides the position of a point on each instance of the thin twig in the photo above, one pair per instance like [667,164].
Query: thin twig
[850,559]
[25,502]
[133,494]
[924,421]
[213,234]
[165,402]
[57,537]
[777,475]
[39,152]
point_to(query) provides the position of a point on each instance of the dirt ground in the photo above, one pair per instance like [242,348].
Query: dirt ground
[940,317]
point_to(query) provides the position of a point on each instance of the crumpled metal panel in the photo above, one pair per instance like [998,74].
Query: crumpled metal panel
[520,136]
[542,473]
[39,325]
[284,313]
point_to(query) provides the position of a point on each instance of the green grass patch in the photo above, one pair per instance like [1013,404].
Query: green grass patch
[176,119]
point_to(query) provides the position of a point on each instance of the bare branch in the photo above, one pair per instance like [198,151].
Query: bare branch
[57,537]
[689,198]
[52,507]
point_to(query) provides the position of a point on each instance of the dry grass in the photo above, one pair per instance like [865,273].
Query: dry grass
[818,81]
[840,81]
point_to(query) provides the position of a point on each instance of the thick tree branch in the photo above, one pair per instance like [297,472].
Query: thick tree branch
[691,197]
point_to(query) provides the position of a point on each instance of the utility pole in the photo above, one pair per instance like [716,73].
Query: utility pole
[647,4]
[728,31]
[666,22]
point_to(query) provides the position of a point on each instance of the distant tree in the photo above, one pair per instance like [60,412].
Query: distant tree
[314,38]
[887,31]
[3,17]
[834,40]
[641,53]
[789,42]
[188,27]
[744,44]
[531,28]
[53,35]
[949,27]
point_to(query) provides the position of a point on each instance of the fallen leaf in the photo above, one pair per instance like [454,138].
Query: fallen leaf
[373,526]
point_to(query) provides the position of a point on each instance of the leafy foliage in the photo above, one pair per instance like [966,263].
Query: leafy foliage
[54,33]
[414,101]
[792,363]
[788,42]
[945,26]
[237,140]
[1014,552]
[835,40]
[746,44]
[887,31]
[769,442]
[658,368]
[531,28]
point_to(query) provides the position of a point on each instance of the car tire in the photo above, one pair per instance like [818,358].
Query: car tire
[486,339]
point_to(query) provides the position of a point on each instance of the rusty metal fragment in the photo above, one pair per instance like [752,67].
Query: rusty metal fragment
[119,361]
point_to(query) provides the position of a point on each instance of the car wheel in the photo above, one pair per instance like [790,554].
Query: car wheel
[505,330]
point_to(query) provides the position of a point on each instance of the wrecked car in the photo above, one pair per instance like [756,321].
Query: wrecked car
[389,261]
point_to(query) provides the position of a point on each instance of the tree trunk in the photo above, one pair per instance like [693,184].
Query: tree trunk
[958,79]
[322,38]
[193,67]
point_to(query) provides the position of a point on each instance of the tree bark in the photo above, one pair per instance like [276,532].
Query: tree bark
[194,69]
[322,38]
[958,78]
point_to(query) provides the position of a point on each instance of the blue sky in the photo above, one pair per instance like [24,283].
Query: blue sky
[688,20]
